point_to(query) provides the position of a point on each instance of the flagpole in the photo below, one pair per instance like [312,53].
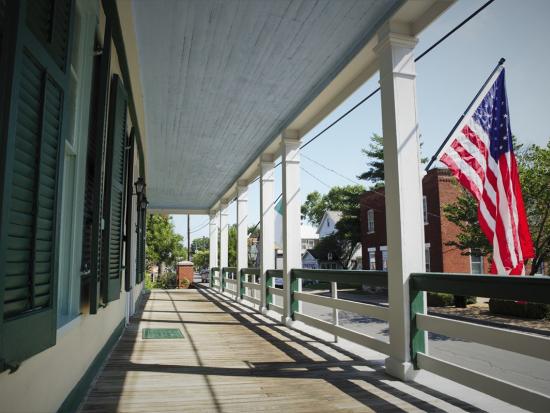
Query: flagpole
[434,158]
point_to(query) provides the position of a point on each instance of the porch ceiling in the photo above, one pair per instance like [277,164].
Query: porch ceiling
[222,79]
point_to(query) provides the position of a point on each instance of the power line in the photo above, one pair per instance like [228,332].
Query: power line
[331,170]
[374,92]
[314,177]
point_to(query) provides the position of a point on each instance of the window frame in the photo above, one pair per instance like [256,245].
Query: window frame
[427,257]
[480,263]
[74,168]
[425,209]
[370,221]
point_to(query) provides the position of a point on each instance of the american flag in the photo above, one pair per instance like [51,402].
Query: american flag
[480,155]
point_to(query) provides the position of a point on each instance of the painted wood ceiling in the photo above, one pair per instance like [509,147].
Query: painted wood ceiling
[221,79]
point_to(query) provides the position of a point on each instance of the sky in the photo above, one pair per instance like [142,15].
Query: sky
[447,80]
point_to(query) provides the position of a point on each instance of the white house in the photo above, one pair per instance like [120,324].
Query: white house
[309,260]
[328,223]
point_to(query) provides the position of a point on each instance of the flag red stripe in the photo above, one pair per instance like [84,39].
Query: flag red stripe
[462,177]
[476,140]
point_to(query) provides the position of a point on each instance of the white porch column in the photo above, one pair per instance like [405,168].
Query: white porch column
[213,233]
[291,217]
[404,222]
[267,223]
[224,235]
[242,229]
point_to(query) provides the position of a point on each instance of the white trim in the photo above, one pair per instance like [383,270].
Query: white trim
[372,249]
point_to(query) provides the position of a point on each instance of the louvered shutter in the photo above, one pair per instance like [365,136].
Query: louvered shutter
[33,131]
[129,191]
[114,192]
[95,169]
[140,256]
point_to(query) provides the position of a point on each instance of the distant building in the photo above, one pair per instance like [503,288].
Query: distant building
[440,188]
[327,226]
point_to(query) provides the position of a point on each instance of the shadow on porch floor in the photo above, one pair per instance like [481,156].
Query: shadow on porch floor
[233,359]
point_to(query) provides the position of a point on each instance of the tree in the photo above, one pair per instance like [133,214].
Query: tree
[339,198]
[340,248]
[463,213]
[201,259]
[375,155]
[200,244]
[163,245]
[534,173]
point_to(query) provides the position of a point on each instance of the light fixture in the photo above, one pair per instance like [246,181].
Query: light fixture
[143,203]
[253,253]
[140,186]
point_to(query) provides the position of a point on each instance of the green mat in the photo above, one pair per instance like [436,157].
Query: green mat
[161,333]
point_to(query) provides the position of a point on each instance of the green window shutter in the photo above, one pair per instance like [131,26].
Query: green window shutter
[129,194]
[33,131]
[140,254]
[114,191]
[95,170]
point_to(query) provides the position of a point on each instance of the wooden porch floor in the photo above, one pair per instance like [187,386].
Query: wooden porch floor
[235,360]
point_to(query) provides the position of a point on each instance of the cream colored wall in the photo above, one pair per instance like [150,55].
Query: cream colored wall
[42,382]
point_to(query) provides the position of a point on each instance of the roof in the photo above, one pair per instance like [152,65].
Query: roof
[334,216]
[310,252]
[308,232]
[221,81]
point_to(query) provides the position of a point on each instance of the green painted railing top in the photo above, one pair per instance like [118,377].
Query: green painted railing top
[250,271]
[373,278]
[215,269]
[533,289]
[229,269]
[274,273]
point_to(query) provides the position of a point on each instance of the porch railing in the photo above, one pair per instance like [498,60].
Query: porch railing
[229,281]
[529,289]
[272,291]
[355,278]
[215,278]
[250,284]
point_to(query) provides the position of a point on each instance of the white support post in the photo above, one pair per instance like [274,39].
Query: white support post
[224,236]
[242,229]
[213,233]
[292,216]
[404,222]
[267,224]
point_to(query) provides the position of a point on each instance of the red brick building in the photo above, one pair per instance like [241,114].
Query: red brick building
[440,189]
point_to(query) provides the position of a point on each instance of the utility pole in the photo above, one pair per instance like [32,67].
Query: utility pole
[189,237]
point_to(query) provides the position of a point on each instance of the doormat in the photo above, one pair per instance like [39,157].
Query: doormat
[161,333]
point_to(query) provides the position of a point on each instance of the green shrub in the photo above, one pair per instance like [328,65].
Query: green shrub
[519,309]
[167,281]
[184,283]
[149,284]
[448,300]
[440,300]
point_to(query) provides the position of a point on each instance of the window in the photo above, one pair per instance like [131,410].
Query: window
[372,258]
[384,258]
[425,209]
[370,221]
[476,263]
[72,199]
[427,257]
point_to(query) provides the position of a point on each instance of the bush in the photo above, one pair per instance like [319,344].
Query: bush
[184,283]
[448,300]
[440,300]
[166,281]
[519,309]
[149,284]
